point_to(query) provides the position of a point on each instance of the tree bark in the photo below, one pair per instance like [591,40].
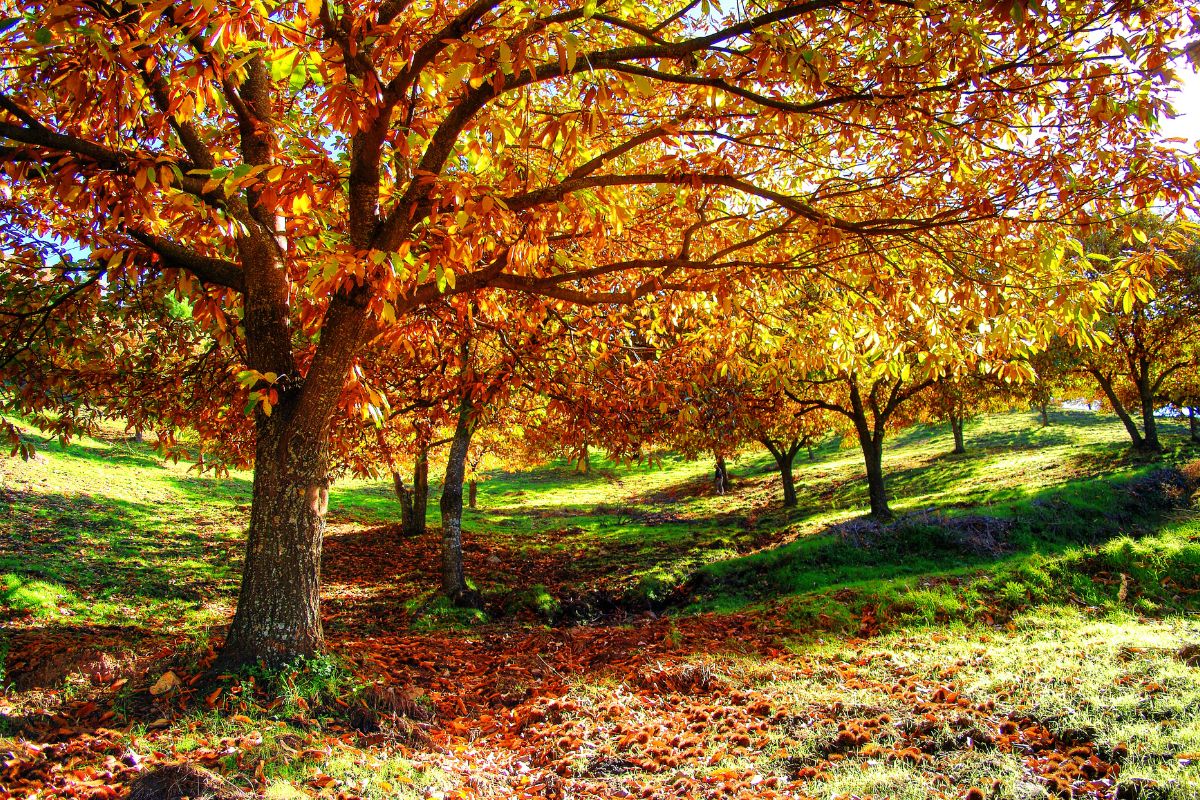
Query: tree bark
[784,458]
[871,443]
[873,456]
[956,427]
[405,499]
[472,493]
[1135,435]
[1194,423]
[420,494]
[1045,415]
[1150,441]
[454,584]
[278,614]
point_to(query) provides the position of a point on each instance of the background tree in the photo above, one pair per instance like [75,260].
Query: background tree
[957,398]
[1152,320]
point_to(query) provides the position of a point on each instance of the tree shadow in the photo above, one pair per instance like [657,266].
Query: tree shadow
[97,557]
[1046,522]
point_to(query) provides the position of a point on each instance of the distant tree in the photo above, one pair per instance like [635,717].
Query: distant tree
[1055,370]
[1182,390]
[1152,319]
[958,398]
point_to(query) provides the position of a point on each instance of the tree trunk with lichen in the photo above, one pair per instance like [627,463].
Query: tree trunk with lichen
[278,614]
[454,583]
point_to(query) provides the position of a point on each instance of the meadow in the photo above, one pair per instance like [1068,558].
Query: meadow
[1026,628]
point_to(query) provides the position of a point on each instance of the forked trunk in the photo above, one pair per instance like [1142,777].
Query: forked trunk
[784,458]
[871,443]
[278,615]
[454,584]
[956,427]
[583,462]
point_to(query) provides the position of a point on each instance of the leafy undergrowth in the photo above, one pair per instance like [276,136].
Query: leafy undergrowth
[1060,658]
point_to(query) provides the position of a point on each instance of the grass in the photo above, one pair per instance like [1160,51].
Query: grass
[107,551]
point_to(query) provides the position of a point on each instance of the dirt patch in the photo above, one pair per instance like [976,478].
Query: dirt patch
[972,534]
[1163,490]
[179,781]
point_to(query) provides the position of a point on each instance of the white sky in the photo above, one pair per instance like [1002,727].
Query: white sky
[1187,103]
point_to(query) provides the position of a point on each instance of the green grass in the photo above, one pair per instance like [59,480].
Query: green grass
[1072,626]
[105,532]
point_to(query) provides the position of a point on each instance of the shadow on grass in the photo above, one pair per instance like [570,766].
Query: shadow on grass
[92,556]
[1049,522]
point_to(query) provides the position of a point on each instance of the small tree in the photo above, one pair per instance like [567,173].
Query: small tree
[1152,320]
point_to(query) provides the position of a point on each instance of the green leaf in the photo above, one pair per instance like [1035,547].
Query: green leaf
[43,36]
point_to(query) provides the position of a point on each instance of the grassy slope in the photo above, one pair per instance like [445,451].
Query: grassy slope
[103,534]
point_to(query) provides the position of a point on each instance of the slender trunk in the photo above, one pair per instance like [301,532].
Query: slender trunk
[278,613]
[472,493]
[810,452]
[420,494]
[1045,415]
[405,498]
[454,584]
[412,501]
[1135,435]
[871,443]
[956,427]
[583,464]
[1194,423]
[1149,421]
[138,436]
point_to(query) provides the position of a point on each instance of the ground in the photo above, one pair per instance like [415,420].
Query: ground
[1027,629]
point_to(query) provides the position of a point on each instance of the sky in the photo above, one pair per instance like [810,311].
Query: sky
[1187,103]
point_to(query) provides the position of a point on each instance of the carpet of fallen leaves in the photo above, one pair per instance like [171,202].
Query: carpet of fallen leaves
[633,706]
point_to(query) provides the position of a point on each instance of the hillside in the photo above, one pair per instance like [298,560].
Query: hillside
[1026,628]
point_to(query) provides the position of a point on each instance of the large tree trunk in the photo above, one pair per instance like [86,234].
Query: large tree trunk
[873,456]
[454,584]
[871,443]
[956,427]
[278,614]
[1135,436]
